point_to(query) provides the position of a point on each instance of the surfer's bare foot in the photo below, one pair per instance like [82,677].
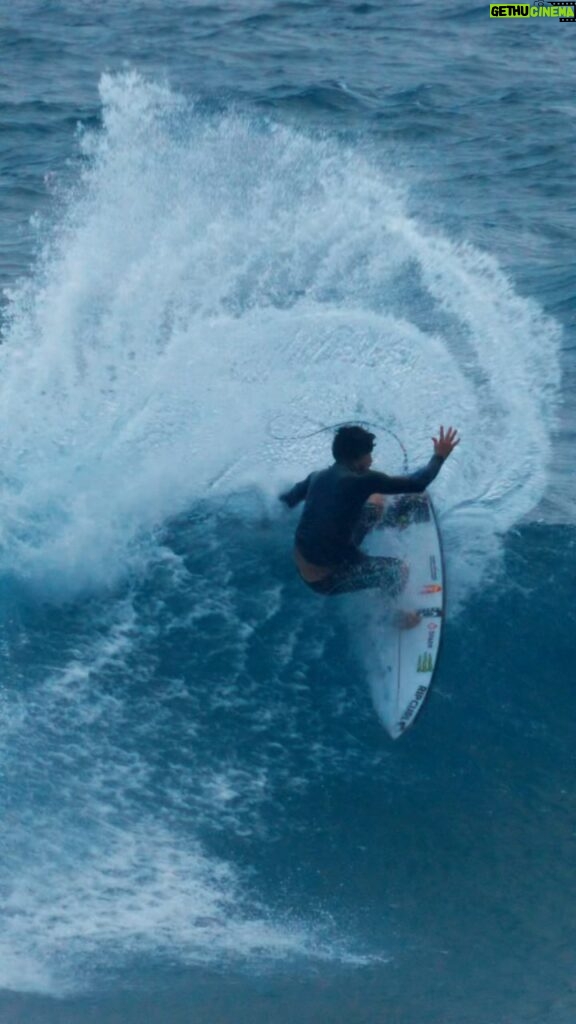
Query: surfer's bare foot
[406,620]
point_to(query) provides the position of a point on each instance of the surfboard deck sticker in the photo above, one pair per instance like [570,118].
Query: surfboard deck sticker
[401,662]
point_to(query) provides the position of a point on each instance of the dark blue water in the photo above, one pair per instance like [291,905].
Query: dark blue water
[223,226]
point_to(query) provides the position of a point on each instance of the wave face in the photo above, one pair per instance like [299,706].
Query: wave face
[214,277]
[215,288]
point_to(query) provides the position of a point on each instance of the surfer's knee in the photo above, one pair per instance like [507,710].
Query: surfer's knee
[376,499]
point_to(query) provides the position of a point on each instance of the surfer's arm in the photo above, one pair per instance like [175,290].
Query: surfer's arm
[412,483]
[415,483]
[297,493]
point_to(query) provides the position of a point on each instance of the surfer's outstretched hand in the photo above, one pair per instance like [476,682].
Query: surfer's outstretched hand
[446,442]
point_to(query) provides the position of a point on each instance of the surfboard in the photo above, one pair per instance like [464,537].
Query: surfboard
[402,662]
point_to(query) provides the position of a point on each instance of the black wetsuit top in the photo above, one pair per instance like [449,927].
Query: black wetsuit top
[334,498]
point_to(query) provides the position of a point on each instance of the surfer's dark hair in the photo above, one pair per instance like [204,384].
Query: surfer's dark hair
[352,443]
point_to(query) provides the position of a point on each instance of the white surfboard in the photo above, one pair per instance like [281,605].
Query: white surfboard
[401,662]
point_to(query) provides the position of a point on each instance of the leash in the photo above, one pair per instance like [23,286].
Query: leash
[357,423]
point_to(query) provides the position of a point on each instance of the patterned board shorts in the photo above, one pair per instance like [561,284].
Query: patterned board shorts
[363,573]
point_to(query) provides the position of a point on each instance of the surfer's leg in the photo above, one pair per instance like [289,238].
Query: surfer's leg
[366,573]
[389,575]
[369,517]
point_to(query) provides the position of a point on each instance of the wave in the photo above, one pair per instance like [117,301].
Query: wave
[213,288]
[208,273]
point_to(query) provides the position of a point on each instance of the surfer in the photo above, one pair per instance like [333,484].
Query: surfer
[341,504]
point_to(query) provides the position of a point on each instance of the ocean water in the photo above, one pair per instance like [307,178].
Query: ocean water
[225,226]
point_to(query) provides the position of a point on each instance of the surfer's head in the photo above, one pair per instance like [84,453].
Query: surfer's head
[352,446]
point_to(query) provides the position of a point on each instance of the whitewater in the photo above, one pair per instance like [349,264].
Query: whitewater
[208,277]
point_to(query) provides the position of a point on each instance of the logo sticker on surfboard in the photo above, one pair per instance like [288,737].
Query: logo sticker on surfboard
[431,588]
[431,639]
[425,663]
